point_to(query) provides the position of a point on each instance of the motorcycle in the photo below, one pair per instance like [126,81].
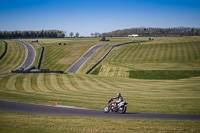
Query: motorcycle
[121,108]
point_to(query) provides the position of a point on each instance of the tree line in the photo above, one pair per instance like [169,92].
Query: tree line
[179,31]
[32,34]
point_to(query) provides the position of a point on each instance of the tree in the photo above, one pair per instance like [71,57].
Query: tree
[77,34]
[71,34]
[92,34]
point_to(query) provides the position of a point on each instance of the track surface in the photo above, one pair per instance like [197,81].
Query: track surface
[30,56]
[6,106]
[84,58]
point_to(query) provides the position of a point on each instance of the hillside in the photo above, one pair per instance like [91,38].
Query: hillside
[166,54]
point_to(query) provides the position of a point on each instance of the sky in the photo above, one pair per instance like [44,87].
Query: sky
[90,16]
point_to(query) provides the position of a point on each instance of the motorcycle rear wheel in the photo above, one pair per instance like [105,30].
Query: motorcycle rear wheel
[122,110]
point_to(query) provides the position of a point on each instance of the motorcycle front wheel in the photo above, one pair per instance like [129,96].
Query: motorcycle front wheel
[106,109]
[122,110]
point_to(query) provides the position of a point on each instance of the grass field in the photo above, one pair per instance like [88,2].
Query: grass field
[168,54]
[93,91]
[14,57]
[2,47]
[15,122]
[168,96]
[61,57]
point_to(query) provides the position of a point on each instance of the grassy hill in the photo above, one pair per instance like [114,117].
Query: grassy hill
[168,55]
[61,57]
[93,91]
[15,56]
[169,96]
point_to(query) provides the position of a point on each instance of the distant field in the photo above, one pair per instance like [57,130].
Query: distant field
[169,96]
[14,57]
[168,54]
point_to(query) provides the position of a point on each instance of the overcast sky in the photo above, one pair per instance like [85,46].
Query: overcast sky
[89,16]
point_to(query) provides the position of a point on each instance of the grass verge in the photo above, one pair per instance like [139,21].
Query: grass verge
[16,122]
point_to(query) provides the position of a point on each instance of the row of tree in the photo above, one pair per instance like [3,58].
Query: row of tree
[71,34]
[32,34]
[96,34]
[179,31]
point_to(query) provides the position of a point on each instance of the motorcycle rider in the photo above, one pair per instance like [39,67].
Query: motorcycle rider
[120,99]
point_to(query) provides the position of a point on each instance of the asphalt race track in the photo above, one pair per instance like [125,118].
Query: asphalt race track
[84,58]
[30,56]
[6,106]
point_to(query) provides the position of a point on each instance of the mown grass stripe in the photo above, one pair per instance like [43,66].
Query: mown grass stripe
[105,82]
[67,83]
[41,84]
[137,53]
[98,84]
[4,62]
[19,82]
[11,82]
[73,81]
[13,60]
[61,82]
[16,58]
[54,82]
[146,49]
[47,82]
[3,82]
[90,83]
[34,84]
[197,50]
[27,83]
[82,83]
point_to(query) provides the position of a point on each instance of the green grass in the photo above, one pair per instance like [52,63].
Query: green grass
[2,47]
[61,57]
[23,123]
[157,96]
[170,54]
[14,57]
[163,74]
[180,96]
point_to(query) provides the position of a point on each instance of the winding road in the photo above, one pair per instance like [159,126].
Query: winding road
[74,68]
[6,106]
[30,56]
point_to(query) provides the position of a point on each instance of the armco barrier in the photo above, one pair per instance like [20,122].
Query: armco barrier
[4,50]
[108,53]
[40,59]
[36,71]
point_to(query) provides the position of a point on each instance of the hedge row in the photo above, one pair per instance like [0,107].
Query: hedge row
[163,74]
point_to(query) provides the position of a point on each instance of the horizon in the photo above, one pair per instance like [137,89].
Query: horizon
[90,16]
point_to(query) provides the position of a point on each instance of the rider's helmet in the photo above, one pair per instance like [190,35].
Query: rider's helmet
[118,95]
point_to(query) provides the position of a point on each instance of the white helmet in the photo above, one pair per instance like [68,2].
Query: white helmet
[118,95]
